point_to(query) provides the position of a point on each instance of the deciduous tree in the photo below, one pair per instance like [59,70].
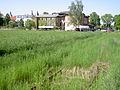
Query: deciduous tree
[1,21]
[12,24]
[94,19]
[75,12]
[29,24]
[45,13]
[107,20]
[21,24]
[117,21]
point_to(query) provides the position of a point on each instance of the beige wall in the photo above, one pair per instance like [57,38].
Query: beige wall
[69,26]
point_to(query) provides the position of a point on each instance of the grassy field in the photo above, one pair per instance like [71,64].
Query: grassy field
[38,60]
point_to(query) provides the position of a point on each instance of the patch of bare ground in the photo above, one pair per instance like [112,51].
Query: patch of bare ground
[89,74]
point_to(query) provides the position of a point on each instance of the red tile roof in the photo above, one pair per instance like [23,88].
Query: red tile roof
[13,18]
[1,15]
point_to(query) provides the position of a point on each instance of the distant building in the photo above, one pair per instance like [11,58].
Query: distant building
[1,15]
[24,17]
[50,21]
[61,20]
[13,18]
[68,26]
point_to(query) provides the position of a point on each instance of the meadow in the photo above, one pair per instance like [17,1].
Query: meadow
[53,60]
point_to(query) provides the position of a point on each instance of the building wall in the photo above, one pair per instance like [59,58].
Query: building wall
[51,21]
[24,17]
[60,22]
[63,22]
[69,26]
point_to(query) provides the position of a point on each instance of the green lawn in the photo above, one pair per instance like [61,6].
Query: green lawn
[46,60]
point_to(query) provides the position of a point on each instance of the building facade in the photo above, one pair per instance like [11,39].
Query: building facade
[50,21]
[61,20]
[24,17]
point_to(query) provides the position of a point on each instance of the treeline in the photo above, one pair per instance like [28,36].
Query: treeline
[104,22]
[107,20]
[7,22]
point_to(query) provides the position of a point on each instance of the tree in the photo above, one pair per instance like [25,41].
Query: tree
[12,24]
[75,13]
[117,21]
[94,19]
[32,12]
[7,19]
[54,13]
[1,21]
[107,20]
[37,13]
[42,23]
[11,14]
[45,13]
[21,24]
[29,24]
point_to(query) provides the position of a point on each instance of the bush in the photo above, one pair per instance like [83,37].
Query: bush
[56,28]
[12,24]
[1,21]
[29,24]
[21,24]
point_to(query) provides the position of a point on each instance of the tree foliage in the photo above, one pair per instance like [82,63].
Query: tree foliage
[117,21]
[45,13]
[94,19]
[7,19]
[54,13]
[12,24]
[21,24]
[75,12]
[29,24]
[42,23]
[11,14]
[107,20]
[1,21]
[37,13]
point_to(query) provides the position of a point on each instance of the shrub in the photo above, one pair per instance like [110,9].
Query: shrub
[56,28]
[29,24]
[12,24]
[21,24]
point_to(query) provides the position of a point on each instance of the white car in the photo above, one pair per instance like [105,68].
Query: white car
[103,30]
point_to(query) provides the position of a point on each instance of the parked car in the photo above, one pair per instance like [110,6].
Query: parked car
[103,30]
[82,28]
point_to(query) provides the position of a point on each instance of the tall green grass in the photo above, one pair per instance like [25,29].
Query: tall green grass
[27,56]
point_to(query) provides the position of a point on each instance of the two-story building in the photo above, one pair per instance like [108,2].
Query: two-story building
[61,20]
[69,26]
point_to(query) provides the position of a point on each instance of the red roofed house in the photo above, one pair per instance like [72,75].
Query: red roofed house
[13,18]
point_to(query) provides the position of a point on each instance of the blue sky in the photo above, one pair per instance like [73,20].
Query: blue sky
[18,7]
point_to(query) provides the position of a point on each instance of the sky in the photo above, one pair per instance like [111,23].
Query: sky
[21,7]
